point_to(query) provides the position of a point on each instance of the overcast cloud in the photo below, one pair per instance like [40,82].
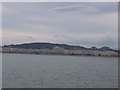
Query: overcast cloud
[86,24]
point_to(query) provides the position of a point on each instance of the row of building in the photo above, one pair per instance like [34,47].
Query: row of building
[60,50]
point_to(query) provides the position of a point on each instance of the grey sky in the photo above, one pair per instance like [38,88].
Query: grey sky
[86,24]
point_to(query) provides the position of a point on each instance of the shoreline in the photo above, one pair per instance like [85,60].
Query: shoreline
[58,54]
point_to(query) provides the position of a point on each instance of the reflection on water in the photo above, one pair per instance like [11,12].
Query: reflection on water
[44,71]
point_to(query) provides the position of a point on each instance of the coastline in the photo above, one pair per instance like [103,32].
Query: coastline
[61,51]
[58,54]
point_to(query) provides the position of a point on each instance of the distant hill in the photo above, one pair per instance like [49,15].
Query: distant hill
[51,45]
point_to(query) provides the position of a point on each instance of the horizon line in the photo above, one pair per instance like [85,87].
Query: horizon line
[58,43]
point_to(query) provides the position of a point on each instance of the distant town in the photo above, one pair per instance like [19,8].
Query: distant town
[58,49]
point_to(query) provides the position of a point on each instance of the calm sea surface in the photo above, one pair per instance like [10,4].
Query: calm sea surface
[47,71]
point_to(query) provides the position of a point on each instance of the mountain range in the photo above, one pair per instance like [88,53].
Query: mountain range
[43,45]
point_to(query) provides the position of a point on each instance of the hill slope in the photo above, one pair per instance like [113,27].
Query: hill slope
[51,45]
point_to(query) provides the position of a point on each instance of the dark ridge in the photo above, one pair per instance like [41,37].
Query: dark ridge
[43,45]
[105,49]
[93,48]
